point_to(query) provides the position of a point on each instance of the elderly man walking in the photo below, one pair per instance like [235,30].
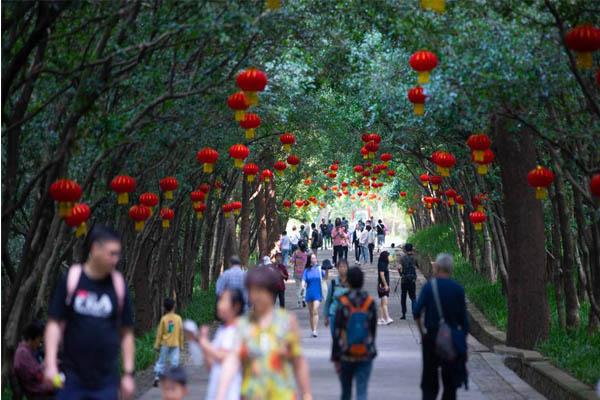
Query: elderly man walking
[443,301]
[233,277]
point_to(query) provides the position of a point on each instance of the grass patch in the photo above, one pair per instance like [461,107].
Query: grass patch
[575,351]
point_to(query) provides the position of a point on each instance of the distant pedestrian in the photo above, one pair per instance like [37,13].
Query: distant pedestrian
[90,314]
[371,238]
[283,274]
[338,286]
[267,348]
[169,340]
[316,239]
[346,243]
[311,280]
[303,234]
[325,234]
[383,288]
[345,222]
[363,241]
[443,301]
[380,229]
[230,306]
[339,237]
[232,278]
[285,245]
[298,261]
[356,242]
[408,276]
[174,384]
[353,348]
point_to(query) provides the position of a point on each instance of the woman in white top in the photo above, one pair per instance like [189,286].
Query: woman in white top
[229,307]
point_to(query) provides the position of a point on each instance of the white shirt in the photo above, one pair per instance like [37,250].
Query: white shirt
[363,239]
[224,340]
[285,242]
[294,238]
[372,236]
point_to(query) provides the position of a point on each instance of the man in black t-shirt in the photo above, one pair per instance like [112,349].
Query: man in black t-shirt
[315,238]
[324,233]
[90,313]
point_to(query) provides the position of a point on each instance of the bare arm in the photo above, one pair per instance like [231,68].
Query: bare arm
[128,350]
[231,365]
[52,338]
[382,276]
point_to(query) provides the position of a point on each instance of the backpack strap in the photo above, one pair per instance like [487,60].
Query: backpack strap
[366,304]
[436,298]
[73,278]
[118,282]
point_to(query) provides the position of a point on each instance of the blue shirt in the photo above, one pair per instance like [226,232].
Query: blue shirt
[452,299]
[232,278]
[312,276]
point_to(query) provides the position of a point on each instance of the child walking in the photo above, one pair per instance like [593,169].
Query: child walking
[169,340]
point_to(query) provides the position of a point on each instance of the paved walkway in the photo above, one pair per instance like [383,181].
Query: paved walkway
[397,369]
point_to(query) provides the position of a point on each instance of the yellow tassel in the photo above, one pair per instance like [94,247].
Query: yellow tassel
[195,203]
[239,115]
[482,169]
[451,201]
[478,226]
[208,168]
[236,212]
[372,155]
[238,162]
[541,193]
[139,225]
[425,183]
[199,215]
[169,195]
[438,6]
[252,98]
[435,187]
[478,155]
[250,178]
[584,60]
[123,198]
[273,4]
[267,179]
[294,167]
[461,207]
[250,133]
[419,108]
[423,77]
[287,147]
[227,214]
[481,208]
[166,223]
[365,156]
[279,173]
[81,230]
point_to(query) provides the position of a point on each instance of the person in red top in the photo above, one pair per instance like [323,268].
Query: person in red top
[27,367]
[282,270]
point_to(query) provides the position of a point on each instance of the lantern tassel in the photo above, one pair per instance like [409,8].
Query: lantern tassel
[294,167]
[252,98]
[250,178]
[419,108]
[166,223]
[451,201]
[478,226]
[478,155]
[227,215]
[236,212]
[287,147]
[139,225]
[81,230]
[239,115]
[273,5]
[169,195]
[208,168]
[481,208]
[541,193]
[435,187]
[238,162]
[423,77]
[250,133]
[123,198]
[482,169]
[584,60]
[199,215]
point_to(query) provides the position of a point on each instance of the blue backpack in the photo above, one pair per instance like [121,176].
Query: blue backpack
[356,340]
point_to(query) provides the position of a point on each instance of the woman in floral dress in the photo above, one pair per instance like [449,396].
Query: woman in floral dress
[268,348]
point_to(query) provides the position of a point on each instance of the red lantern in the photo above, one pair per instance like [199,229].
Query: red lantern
[123,185]
[250,122]
[391,173]
[386,158]
[364,152]
[313,200]
[451,196]
[583,40]
[200,209]
[423,62]
[236,206]
[443,161]
[139,213]
[197,197]
[307,181]
[424,178]
[435,181]
[595,185]
[299,203]
[324,188]
[204,188]
[149,200]
[227,209]
[66,192]
[166,214]
[540,178]
[239,104]
[293,161]
[460,201]
[266,175]
[478,144]
[374,137]
[168,185]
[239,153]
[358,169]
[250,170]
[208,158]
[483,166]
[372,147]
[251,80]
[287,140]
[332,175]
[438,6]
[80,213]
[287,204]
[334,167]
[477,218]
[279,167]
[417,97]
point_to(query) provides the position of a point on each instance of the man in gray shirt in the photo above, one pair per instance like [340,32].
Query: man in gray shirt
[233,277]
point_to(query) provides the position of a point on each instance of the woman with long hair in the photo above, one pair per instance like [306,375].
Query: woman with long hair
[338,286]
[311,281]
[267,350]
[339,237]
[383,288]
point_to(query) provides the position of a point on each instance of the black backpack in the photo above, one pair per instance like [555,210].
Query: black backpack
[380,229]
[409,270]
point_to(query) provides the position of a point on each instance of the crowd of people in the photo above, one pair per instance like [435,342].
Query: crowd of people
[255,353]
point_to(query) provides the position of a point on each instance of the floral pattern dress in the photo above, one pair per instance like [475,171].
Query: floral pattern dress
[266,356]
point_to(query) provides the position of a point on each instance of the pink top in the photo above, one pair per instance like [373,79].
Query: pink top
[339,236]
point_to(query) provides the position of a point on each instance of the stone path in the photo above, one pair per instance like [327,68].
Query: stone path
[397,369]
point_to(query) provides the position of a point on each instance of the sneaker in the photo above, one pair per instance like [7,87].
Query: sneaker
[380,322]
[155,383]
[314,334]
[403,317]
[389,321]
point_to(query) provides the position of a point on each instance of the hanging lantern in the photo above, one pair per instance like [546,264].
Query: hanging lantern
[287,204]
[364,152]
[423,62]
[273,5]
[417,97]
[200,209]
[313,200]
[365,137]
[478,144]
[583,40]
[168,185]
[197,197]
[250,122]
[123,185]
[80,213]
[479,202]
[66,192]
[266,175]
[435,182]
[595,185]
[477,218]
[335,188]
[299,203]
[287,140]
[333,167]
[250,170]
[451,196]
[391,173]
[236,206]
[239,104]
[428,201]
[461,202]
[540,178]
[239,153]
[374,137]
[358,169]
[279,167]
[372,147]
[208,158]
[307,182]
[438,6]
[424,178]
[402,194]
[204,188]
[483,166]
[227,209]
[251,81]
[443,161]
[293,161]
[166,214]
[332,175]
[149,200]
[139,213]
[386,158]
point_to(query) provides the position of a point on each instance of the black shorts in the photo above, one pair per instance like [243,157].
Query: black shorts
[381,292]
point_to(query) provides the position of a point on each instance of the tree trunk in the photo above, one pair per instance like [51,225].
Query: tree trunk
[245,224]
[528,312]
[261,219]
[488,263]
[557,277]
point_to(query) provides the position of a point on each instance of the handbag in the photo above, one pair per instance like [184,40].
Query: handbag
[444,345]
